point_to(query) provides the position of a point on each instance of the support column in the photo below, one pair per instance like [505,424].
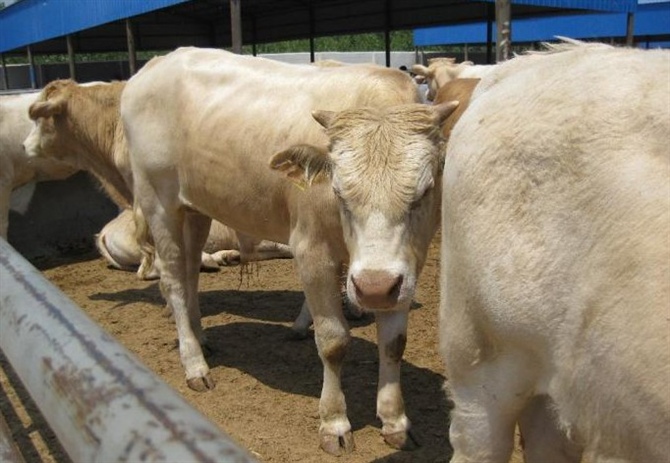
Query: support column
[387,32]
[31,67]
[236,26]
[70,57]
[5,77]
[312,29]
[132,53]
[254,35]
[630,29]
[489,33]
[504,28]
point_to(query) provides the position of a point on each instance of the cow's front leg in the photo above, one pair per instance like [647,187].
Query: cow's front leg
[391,340]
[332,337]
[320,278]
[178,278]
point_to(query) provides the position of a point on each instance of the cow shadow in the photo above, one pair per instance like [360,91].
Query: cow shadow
[272,306]
[281,306]
[295,368]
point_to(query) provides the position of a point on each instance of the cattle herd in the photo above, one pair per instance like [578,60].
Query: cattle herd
[549,175]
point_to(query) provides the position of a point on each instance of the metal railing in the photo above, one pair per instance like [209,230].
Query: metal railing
[102,403]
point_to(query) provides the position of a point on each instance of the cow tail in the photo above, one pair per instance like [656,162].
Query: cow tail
[148,269]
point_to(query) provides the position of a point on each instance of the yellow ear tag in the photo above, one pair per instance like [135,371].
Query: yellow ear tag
[300,183]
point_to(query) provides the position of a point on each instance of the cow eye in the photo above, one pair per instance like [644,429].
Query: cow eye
[417,202]
[343,204]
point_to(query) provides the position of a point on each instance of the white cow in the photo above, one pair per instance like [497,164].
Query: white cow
[202,126]
[117,243]
[16,169]
[442,70]
[555,310]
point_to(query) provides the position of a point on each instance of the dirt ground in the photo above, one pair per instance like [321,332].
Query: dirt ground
[268,386]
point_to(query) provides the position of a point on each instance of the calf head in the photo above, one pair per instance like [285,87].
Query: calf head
[384,166]
[72,120]
[48,111]
[438,72]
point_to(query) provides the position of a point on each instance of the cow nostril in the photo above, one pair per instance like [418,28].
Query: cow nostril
[395,289]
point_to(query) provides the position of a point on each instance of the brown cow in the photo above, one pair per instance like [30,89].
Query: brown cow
[79,125]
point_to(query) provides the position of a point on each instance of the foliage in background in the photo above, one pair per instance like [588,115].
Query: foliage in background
[400,41]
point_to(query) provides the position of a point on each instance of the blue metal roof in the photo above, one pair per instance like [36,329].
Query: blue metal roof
[598,5]
[650,20]
[31,21]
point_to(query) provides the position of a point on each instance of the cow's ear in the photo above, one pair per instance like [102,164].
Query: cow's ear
[444,110]
[303,164]
[325,118]
[47,108]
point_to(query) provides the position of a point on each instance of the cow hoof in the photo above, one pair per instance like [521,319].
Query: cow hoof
[401,440]
[338,445]
[227,257]
[202,384]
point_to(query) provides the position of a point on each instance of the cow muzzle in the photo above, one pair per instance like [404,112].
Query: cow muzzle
[377,289]
[31,146]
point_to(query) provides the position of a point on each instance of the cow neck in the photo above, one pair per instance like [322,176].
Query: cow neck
[96,126]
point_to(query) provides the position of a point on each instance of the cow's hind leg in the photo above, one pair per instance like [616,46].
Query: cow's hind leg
[488,397]
[391,340]
[543,440]
[196,229]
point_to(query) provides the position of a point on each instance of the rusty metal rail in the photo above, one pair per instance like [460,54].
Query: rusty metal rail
[102,403]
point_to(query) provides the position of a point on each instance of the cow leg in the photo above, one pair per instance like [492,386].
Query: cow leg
[320,277]
[166,222]
[302,323]
[253,250]
[391,340]
[267,250]
[489,396]
[196,229]
[543,440]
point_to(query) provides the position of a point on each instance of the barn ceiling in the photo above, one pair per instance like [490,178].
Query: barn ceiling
[206,23]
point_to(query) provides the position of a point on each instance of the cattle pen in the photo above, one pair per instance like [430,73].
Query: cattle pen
[100,400]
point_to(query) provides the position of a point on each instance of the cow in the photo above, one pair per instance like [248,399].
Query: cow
[117,243]
[460,90]
[356,183]
[16,169]
[555,259]
[79,125]
[442,70]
